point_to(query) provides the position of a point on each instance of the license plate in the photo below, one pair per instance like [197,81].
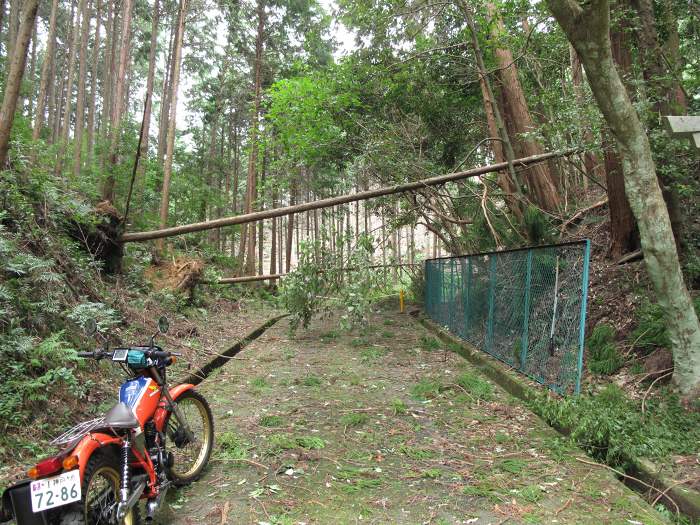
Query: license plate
[56,491]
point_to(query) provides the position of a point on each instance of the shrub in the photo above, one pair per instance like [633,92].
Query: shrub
[475,386]
[603,355]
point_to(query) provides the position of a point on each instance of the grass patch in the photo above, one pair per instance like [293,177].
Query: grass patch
[372,354]
[259,383]
[416,452]
[311,381]
[483,490]
[532,494]
[426,389]
[357,342]
[388,322]
[357,479]
[231,446]
[354,419]
[512,465]
[272,421]
[398,407]
[602,353]
[388,334]
[330,336]
[279,442]
[430,343]
[475,386]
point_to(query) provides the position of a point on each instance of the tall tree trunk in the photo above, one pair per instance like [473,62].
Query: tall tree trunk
[502,144]
[152,53]
[624,236]
[290,227]
[46,72]
[588,29]
[165,98]
[93,86]
[662,89]
[12,26]
[68,104]
[541,182]
[13,80]
[118,101]
[32,74]
[273,237]
[591,161]
[253,155]
[82,80]
[109,72]
[170,146]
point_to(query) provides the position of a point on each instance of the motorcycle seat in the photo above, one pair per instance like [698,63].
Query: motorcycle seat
[120,416]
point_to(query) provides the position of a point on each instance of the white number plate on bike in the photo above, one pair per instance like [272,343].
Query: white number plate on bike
[54,492]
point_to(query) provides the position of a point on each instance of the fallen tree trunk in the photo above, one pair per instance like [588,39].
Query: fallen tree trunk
[275,276]
[334,201]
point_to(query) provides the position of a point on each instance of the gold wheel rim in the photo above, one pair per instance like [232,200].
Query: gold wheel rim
[194,453]
[103,479]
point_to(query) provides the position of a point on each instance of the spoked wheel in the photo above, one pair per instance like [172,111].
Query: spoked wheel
[190,457]
[101,484]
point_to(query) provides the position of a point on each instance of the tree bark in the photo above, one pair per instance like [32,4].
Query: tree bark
[13,81]
[165,99]
[82,80]
[64,133]
[93,86]
[46,70]
[588,30]
[170,142]
[253,155]
[333,201]
[118,101]
[540,181]
[624,236]
[155,20]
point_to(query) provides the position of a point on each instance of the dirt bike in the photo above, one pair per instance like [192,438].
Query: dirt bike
[155,437]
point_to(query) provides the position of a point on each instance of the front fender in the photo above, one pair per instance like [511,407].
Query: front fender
[162,411]
[89,444]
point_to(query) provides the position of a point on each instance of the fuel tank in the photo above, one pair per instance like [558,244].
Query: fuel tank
[141,394]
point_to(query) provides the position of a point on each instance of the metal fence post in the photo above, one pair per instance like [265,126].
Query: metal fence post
[466,285]
[452,294]
[582,317]
[492,294]
[526,312]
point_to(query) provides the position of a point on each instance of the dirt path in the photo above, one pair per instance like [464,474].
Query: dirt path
[384,427]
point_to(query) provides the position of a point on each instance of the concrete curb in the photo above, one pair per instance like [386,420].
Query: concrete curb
[200,375]
[688,500]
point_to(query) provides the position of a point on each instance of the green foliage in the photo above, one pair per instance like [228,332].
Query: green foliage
[603,356]
[417,452]
[311,381]
[650,331]
[354,419]
[611,428]
[272,421]
[231,446]
[475,386]
[398,407]
[301,289]
[426,389]
[430,343]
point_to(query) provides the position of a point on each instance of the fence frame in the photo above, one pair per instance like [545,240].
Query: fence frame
[492,278]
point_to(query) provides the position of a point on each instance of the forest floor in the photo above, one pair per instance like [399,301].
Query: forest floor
[384,427]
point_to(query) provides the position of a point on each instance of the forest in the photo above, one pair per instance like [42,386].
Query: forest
[236,165]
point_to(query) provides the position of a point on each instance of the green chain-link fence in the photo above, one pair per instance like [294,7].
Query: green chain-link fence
[526,307]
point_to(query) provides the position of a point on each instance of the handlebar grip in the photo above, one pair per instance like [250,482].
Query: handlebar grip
[159,354]
[86,354]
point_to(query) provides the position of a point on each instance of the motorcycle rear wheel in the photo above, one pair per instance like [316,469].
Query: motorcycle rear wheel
[101,483]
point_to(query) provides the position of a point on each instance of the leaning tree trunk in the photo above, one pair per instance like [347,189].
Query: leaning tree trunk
[540,180]
[588,30]
[170,141]
[13,81]
[93,86]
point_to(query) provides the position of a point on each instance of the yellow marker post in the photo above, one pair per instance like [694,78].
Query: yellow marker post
[401,301]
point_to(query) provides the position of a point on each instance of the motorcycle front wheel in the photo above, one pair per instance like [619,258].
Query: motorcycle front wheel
[190,458]
[101,483]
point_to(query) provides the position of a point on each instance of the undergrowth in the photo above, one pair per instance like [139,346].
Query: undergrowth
[612,428]
[603,355]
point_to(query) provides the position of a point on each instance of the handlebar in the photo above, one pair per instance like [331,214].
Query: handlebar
[150,353]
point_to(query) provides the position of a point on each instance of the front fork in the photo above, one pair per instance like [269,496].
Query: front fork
[189,436]
[123,506]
